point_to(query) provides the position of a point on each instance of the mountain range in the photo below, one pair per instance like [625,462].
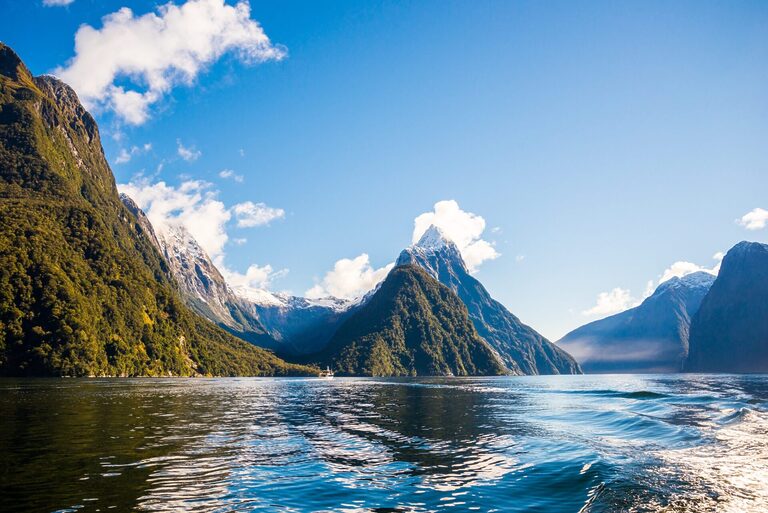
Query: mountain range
[651,337]
[88,286]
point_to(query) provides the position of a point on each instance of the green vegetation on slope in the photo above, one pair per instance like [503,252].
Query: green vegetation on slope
[411,326]
[82,289]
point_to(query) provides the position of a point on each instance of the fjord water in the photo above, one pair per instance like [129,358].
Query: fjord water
[557,443]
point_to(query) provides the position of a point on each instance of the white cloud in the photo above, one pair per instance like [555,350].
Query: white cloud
[255,277]
[617,300]
[190,154]
[350,278]
[56,3]
[251,214]
[519,258]
[463,228]
[126,155]
[155,52]
[228,173]
[755,219]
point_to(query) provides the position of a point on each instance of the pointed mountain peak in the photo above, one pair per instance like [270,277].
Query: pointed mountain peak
[434,238]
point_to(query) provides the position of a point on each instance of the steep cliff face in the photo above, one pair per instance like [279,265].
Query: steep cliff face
[203,287]
[729,332]
[652,337]
[520,347]
[83,289]
[411,326]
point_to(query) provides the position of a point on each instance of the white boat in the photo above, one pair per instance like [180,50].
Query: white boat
[327,373]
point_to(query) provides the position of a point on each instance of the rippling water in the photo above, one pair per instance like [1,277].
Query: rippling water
[571,443]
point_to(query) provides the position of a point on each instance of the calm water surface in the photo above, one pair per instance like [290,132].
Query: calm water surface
[549,444]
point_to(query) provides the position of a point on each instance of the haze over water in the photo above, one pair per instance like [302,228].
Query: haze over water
[570,443]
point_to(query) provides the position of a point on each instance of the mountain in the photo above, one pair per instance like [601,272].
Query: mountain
[202,286]
[520,347]
[288,324]
[83,289]
[302,326]
[729,333]
[652,337]
[412,325]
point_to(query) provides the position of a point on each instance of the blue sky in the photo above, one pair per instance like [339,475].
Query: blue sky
[600,142]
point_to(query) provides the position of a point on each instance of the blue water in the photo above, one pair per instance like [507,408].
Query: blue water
[549,444]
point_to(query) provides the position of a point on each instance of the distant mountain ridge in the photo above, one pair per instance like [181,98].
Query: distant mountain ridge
[651,337]
[729,332]
[520,347]
[411,326]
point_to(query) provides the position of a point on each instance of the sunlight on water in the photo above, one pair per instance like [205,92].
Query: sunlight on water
[586,443]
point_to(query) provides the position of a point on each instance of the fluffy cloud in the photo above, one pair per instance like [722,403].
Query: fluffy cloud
[56,3]
[617,300]
[350,278]
[155,52]
[755,219]
[126,155]
[190,154]
[463,228]
[255,277]
[251,214]
[228,173]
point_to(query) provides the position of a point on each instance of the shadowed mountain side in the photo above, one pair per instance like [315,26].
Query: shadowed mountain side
[729,333]
[652,337]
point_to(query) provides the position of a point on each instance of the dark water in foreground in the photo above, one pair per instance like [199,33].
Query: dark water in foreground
[575,443]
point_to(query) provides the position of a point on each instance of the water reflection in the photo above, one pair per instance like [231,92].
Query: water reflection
[607,443]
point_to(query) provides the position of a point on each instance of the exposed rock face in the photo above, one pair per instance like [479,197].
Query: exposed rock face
[652,337]
[729,333]
[412,325]
[520,347]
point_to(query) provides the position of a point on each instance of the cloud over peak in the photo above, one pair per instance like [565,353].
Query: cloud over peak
[465,229]
[155,52]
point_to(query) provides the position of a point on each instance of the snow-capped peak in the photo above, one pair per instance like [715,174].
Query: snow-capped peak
[433,238]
